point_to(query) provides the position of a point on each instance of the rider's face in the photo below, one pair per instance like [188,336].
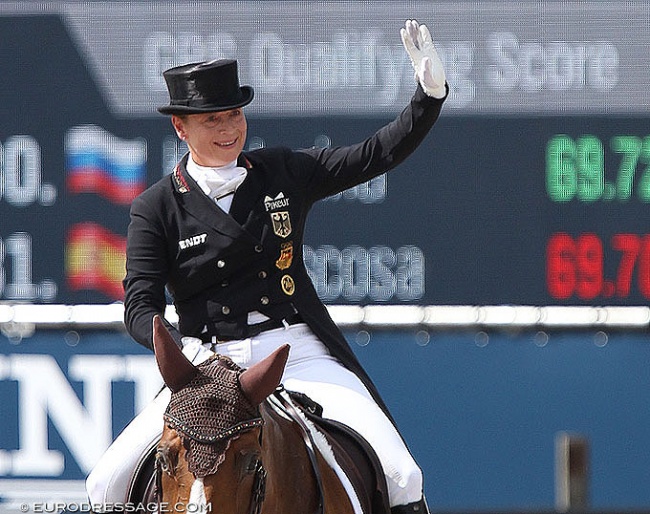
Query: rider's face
[214,138]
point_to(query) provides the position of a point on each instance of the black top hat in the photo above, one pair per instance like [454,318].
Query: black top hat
[205,87]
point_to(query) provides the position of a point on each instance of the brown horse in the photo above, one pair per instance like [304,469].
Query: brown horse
[228,448]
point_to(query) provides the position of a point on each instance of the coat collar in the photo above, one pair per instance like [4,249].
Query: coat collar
[194,201]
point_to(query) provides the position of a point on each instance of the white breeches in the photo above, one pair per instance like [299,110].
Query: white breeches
[310,370]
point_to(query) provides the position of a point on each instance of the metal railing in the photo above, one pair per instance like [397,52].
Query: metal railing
[377,316]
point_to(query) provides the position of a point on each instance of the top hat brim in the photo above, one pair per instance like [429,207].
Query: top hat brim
[247,94]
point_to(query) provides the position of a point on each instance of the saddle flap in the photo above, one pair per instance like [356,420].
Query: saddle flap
[353,453]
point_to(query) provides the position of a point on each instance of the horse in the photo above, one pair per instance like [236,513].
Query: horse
[235,442]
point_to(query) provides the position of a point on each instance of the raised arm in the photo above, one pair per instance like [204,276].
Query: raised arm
[339,168]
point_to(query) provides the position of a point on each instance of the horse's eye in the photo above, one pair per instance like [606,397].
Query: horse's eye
[249,462]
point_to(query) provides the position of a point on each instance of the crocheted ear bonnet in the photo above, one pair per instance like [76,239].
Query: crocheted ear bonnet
[210,412]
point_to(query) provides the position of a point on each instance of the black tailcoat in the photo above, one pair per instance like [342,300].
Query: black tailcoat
[219,266]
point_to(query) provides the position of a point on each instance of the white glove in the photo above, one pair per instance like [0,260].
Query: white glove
[196,350]
[426,63]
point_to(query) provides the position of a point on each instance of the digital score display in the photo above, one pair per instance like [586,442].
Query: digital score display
[575,169]
[532,211]
[576,172]
[575,266]
[549,211]
[22,189]
[532,189]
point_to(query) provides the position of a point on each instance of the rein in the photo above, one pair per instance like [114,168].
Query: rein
[259,489]
[279,402]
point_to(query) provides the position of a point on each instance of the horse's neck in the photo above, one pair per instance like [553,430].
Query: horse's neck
[282,438]
[288,465]
[291,469]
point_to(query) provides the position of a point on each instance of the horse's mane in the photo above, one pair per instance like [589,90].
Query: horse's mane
[210,412]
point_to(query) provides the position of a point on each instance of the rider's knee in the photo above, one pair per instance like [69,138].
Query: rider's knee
[405,482]
[96,486]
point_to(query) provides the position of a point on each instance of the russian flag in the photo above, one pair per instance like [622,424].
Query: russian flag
[95,259]
[99,162]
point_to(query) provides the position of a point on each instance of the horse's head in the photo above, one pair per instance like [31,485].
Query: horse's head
[212,425]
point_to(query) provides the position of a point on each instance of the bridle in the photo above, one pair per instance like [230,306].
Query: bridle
[259,488]
[259,479]
[279,402]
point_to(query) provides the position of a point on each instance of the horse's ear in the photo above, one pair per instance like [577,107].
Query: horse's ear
[175,368]
[261,379]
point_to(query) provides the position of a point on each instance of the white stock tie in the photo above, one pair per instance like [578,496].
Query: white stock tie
[218,183]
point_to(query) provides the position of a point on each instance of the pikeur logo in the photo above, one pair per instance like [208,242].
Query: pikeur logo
[192,241]
[278,202]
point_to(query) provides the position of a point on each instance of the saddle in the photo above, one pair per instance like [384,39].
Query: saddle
[353,454]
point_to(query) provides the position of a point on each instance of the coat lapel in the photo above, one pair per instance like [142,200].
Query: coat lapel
[243,208]
[199,205]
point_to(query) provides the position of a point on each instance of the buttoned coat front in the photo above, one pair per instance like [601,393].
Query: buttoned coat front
[219,266]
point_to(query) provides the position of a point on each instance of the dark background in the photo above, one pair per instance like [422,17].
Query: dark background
[472,198]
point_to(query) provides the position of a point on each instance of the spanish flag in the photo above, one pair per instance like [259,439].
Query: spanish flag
[95,259]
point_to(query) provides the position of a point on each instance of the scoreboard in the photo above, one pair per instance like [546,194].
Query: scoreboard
[533,188]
